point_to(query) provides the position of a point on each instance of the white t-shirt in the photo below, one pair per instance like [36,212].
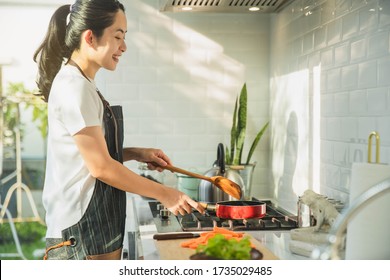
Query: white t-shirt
[73,105]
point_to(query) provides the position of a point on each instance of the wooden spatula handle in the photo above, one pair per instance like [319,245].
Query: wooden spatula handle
[186,172]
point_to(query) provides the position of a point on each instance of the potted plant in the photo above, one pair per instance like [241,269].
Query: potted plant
[234,155]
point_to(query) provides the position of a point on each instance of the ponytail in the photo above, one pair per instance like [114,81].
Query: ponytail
[50,54]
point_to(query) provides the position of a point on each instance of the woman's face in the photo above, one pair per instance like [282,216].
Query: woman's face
[112,44]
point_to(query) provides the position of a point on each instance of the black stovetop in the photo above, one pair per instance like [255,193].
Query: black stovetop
[275,219]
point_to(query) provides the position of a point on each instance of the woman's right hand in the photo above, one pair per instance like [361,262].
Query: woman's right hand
[178,202]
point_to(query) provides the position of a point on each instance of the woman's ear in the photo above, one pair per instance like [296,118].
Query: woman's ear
[88,37]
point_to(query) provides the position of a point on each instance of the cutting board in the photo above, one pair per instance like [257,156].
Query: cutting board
[171,249]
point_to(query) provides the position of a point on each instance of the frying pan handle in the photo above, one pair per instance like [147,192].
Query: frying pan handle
[208,207]
[221,158]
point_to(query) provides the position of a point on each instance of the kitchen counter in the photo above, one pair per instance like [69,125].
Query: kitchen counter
[140,222]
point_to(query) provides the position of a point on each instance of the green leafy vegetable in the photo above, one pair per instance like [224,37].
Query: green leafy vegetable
[226,249]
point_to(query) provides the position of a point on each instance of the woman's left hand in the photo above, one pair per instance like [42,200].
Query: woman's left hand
[153,157]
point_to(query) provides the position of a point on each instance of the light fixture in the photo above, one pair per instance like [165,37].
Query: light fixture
[186,8]
[254,9]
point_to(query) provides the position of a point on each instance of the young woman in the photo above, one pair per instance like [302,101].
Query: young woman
[86,183]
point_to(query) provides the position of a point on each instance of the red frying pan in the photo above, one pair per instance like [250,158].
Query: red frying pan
[237,209]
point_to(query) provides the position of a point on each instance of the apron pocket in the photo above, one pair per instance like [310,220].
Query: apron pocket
[115,255]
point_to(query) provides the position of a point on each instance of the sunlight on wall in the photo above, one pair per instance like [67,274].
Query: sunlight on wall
[290,135]
[193,57]
[188,70]
[316,126]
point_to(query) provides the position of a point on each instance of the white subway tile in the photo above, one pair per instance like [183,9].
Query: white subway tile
[368,74]
[334,32]
[378,44]
[358,102]
[350,24]
[366,126]
[334,79]
[384,13]
[340,155]
[349,128]
[320,38]
[149,126]
[368,18]
[384,71]
[327,58]
[377,101]
[327,104]
[383,128]
[333,128]
[358,49]
[342,54]
[308,42]
[189,126]
[349,77]
[341,104]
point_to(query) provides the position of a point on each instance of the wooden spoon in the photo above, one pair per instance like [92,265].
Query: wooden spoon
[223,183]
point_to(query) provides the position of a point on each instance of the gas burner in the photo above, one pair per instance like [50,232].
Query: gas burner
[275,219]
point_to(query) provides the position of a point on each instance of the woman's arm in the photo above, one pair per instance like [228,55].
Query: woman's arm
[93,149]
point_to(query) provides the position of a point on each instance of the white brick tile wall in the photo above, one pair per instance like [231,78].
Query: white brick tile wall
[179,79]
[354,78]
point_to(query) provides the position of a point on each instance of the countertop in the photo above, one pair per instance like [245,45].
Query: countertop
[140,221]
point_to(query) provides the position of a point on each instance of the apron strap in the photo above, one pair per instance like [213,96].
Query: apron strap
[70,242]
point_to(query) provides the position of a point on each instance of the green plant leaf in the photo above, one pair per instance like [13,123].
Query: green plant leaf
[238,131]
[233,134]
[228,159]
[255,142]
[241,125]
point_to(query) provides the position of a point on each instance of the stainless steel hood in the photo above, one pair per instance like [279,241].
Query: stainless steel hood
[224,6]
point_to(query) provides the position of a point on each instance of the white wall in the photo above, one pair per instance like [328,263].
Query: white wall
[329,90]
[179,79]
[177,82]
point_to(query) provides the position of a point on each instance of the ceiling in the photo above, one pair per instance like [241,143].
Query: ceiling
[223,6]
[216,6]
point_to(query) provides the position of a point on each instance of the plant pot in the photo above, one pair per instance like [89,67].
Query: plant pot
[246,173]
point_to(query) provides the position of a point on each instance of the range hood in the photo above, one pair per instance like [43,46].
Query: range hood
[223,6]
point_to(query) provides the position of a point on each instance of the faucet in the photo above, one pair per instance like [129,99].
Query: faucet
[336,235]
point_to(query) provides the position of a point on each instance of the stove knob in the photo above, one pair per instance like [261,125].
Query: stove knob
[164,214]
[160,206]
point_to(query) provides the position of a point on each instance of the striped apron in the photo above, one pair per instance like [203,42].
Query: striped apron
[99,234]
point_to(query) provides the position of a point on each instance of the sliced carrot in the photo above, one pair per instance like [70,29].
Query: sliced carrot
[187,243]
[226,231]
[205,236]
[208,234]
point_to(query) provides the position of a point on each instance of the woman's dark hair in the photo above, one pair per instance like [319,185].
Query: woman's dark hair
[64,36]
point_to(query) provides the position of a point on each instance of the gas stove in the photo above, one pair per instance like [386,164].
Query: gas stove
[275,219]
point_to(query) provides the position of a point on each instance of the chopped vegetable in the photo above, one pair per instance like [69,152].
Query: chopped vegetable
[221,244]
[226,249]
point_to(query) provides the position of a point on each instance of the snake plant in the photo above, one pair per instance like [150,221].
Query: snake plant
[238,132]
